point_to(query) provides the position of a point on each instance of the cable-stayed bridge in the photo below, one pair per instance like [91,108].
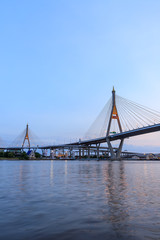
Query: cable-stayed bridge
[119,119]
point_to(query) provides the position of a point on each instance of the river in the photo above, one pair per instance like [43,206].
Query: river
[78,200]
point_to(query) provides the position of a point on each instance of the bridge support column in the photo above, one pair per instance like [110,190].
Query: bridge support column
[79,153]
[70,152]
[51,153]
[98,145]
[89,152]
[83,153]
[115,155]
[43,152]
[118,154]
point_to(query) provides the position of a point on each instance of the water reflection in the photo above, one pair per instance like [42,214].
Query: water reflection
[79,200]
[24,171]
[51,173]
[66,167]
[116,197]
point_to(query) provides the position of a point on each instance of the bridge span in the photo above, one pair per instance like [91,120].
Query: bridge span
[122,119]
[132,114]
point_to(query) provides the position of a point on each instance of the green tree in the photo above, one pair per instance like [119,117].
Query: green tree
[37,155]
[24,156]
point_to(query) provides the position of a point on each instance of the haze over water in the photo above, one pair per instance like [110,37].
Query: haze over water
[79,200]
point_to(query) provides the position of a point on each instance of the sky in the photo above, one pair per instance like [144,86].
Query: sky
[59,61]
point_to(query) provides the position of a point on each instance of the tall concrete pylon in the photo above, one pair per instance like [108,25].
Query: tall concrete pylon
[26,137]
[114,115]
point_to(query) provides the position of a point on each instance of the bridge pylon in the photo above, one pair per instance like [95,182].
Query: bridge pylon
[114,115]
[26,137]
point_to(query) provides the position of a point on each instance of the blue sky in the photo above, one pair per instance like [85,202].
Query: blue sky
[60,59]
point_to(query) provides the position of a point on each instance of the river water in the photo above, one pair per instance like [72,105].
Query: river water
[80,200]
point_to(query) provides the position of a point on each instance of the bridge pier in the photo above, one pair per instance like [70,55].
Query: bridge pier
[98,145]
[70,152]
[117,154]
[55,153]
[88,152]
[83,153]
[79,153]
[51,151]
[113,155]
[43,151]
[119,150]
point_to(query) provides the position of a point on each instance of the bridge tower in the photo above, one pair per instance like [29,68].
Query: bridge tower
[114,115]
[26,137]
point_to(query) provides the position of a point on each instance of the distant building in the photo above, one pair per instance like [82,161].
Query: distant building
[135,157]
[151,156]
[31,154]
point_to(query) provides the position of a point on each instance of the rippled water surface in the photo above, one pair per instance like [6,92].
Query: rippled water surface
[79,200]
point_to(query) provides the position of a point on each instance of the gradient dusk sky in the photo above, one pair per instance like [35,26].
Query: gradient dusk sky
[60,60]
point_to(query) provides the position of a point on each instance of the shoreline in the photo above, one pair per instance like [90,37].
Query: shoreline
[93,159]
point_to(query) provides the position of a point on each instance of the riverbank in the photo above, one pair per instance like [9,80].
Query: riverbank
[85,159]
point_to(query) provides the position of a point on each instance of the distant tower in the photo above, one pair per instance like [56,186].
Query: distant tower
[26,137]
[114,115]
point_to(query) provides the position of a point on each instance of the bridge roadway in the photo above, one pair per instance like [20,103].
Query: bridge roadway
[118,136]
[85,143]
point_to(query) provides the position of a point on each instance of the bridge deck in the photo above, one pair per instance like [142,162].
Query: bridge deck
[135,132]
[85,143]
[118,136]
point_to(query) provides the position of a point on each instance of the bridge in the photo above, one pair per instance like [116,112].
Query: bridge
[119,119]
